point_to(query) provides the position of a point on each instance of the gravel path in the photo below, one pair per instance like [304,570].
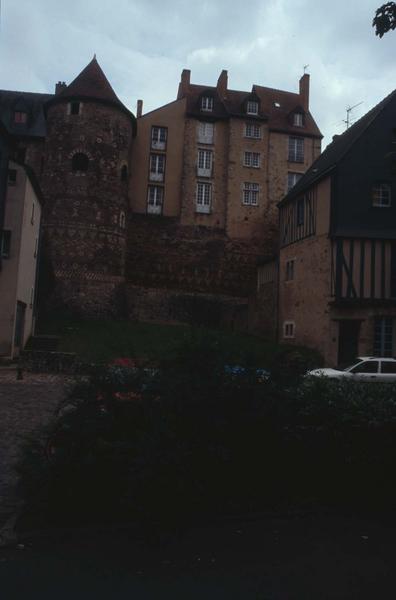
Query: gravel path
[24,405]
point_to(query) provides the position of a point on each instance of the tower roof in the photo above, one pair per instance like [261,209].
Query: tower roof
[91,84]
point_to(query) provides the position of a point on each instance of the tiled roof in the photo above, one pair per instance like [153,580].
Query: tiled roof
[234,103]
[28,102]
[91,84]
[337,149]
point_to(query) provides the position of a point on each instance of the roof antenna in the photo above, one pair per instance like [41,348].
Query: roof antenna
[349,109]
[305,68]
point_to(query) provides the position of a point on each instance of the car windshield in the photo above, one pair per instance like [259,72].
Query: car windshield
[347,366]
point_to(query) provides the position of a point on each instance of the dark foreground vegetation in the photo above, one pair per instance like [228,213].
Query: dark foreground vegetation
[192,437]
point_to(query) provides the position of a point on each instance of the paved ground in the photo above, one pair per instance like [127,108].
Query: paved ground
[341,557]
[24,405]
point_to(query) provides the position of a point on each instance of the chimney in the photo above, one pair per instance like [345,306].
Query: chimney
[139,108]
[335,137]
[184,83]
[59,87]
[222,84]
[304,91]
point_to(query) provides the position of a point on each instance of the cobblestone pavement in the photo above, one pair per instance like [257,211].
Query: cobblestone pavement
[24,406]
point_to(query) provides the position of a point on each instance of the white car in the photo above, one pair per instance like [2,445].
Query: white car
[365,368]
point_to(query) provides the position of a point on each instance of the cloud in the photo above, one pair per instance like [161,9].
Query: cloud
[143,45]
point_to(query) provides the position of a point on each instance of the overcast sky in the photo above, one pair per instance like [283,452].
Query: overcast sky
[143,45]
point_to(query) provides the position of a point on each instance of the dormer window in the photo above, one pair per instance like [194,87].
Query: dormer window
[252,107]
[298,119]
[207,103]
[20,117]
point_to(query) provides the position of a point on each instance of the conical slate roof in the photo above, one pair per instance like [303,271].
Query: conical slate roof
[91,84]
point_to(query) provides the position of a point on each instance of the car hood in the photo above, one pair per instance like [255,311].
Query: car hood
[326,372]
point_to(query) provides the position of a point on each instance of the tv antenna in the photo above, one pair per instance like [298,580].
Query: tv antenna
[349,109]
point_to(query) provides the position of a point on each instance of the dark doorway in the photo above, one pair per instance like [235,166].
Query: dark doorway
[348,338]
[19,325]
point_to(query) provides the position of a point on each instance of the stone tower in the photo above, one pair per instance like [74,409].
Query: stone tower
[85,185]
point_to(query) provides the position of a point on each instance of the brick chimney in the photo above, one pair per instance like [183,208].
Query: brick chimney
[139,108]
[59,87]
[184,83]
[304,91]
[222,84]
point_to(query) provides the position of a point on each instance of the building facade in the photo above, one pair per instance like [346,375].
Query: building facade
[19,251]
[337,263]
[164,216]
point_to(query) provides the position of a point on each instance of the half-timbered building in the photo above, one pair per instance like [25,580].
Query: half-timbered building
[337,262]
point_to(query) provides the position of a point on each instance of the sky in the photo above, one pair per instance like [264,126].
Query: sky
[143,45]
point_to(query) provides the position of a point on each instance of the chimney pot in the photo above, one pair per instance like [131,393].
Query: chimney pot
[59,87]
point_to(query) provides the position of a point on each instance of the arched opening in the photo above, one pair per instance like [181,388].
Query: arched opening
[80,162]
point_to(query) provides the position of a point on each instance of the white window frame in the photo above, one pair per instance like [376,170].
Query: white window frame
[296,149]
[250,193]
[157,167]
[253,131]
[298,119]
[207,103]
[381,195]
[203,201]
[205,132]
[252,107]
[159,137]
[204,163]
[289,329]
[251,159]
[292,179]
[155,199]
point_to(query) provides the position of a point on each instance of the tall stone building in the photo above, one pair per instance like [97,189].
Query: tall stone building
[164,216]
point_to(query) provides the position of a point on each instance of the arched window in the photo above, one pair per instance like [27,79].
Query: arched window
[80,162]
[124,173]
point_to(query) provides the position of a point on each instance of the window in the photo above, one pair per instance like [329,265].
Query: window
[292,179]
[20,117]
[122,219]
[155,199]
[205,163]
[250,194]
[157,167]
[381,194]
[32,214]
[31,297]
[35,248]
[207,103]
[251,159]
[296,149]
[383,336]
[12,176]
[5,245]
[80,162]
[204,197]
[289,275]
[252,130]
[388,367]
[74,108]
[300,212]
[124,173]
[298,120]
[205,133]
[159,136]
[288,329]
[367,366]
[252,107]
